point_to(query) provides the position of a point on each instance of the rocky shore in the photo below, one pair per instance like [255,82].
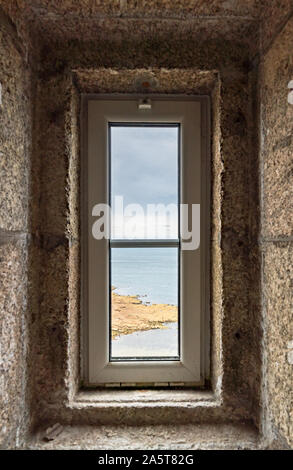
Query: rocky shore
[130,314]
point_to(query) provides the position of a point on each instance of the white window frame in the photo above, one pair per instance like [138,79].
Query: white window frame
[193,366]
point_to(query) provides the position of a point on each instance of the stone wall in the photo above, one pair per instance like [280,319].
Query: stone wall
[15,152]
[41,163]
[276,70]
[274,14]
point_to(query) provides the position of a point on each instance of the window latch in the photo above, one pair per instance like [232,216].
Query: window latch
[144,104]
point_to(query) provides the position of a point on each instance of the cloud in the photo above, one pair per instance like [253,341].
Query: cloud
[144,164]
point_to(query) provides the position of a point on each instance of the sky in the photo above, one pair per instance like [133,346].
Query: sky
[144,170]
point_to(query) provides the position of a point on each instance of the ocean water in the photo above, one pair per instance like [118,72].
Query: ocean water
[150,273]
[151,343]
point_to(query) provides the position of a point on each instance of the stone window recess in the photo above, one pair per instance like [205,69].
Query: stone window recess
[53,56]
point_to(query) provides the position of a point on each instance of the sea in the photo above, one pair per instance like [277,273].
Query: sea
[149,273]
[152,275]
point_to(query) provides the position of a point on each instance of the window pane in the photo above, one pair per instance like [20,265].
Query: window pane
[144,303]
[144,173]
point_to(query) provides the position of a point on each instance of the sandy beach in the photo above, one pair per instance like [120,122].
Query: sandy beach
[130,314]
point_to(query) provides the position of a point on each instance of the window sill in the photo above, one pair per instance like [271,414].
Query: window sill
[174,398]
[143,407]
[180,437]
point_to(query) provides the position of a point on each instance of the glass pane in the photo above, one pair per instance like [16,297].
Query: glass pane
[144,303]
[144,173]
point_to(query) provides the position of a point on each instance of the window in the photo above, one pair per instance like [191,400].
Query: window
[145,241]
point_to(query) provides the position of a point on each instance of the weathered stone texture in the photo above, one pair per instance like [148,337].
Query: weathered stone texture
[144,8]
[96,20]
[278,304]
[184,81]
[216,268]
[152,437]
[277,224]
[55,97]
[198,18]
[254,254]
[13,304]
[15,131]
[15,147]
[57,219]
[17,18]
[277,137]
[214,19]
[274,14]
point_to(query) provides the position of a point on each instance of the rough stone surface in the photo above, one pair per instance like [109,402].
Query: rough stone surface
[234,20]
[278,298]
[216,268]
[151,437]
[17,19]
[15,131]
[274,15]
[92,20]
[144,9]
[277,223]
[13,301]
[277,137]
[190,47]
[15,150]
[183,81]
